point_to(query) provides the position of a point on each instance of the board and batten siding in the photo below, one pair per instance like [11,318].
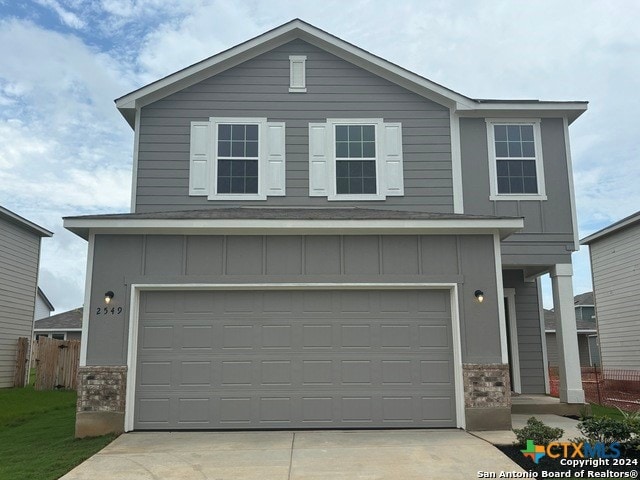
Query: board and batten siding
[547,237]
[615,266]
[260,88]
[19,258]
[123,260]
[528,325]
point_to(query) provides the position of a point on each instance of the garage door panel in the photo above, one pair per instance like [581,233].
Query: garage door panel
[335,365]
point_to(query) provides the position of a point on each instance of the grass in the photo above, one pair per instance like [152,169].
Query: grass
[37,434]
[602,411]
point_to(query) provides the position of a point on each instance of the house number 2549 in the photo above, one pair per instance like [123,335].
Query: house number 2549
[107,311]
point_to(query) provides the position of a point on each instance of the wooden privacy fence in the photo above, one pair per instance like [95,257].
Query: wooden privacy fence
[22,363]
[57,363]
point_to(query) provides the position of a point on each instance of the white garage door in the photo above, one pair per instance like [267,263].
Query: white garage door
[294,359]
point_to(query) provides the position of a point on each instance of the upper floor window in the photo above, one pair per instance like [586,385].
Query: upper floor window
[237,159]
[355,159]
[515,160]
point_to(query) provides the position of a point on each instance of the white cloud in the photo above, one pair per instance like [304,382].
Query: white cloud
[67,17]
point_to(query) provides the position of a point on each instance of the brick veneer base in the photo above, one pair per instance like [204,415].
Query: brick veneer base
[486,385]
[101,400]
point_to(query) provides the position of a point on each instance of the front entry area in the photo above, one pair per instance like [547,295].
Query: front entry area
[258,359]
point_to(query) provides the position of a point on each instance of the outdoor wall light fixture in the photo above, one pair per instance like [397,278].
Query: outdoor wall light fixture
[479,294]
[108,297]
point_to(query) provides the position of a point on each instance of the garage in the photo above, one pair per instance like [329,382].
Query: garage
[259,359]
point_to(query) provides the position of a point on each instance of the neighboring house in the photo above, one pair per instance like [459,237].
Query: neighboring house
[19,262]
[62,326]
[586,328]
[615,266]
[43,306]
[312,232]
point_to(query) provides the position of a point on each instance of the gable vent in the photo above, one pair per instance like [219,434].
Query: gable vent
[297,73]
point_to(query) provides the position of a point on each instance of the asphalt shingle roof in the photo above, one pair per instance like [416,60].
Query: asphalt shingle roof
[61,321]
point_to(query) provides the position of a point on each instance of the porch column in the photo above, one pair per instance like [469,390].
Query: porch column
[566,334]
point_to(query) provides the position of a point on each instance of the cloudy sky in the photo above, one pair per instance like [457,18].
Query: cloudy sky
[65,150]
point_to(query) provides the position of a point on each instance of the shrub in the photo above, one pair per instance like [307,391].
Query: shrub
[537,431]
[605,430]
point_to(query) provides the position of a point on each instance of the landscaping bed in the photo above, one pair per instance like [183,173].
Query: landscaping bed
[553,464]
[37,434]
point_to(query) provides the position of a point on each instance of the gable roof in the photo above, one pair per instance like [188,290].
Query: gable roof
[44,298]
[297,28]
[24,223]
[71,320]
[618,226]
[584,299]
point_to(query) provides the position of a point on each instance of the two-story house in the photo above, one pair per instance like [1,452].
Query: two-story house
[319,238]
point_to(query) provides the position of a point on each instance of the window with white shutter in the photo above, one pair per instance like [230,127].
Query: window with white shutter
[237,159]
[355,159]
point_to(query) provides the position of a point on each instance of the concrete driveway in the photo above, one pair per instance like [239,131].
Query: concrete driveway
[374,454]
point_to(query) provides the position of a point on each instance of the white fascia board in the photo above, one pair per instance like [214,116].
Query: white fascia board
[61,329]
[82,227]
[570,110]
[621,225]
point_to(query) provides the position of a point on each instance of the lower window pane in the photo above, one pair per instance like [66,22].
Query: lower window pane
[516,184]
[356,177]
[224,184]
[238,176]
[517,176]
[530,185]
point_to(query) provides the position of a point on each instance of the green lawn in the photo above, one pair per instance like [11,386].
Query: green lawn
[602,411]
[36,434]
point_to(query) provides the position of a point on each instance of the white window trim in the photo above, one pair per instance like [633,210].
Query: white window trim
[262,161]
[331,150]
[493,176]
[293,59]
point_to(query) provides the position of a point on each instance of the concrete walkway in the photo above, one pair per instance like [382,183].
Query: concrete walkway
[506,437]
[336,455]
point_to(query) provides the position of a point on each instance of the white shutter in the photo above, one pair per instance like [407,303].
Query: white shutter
[318,160]
[275,146]
[199,158]
[394,175]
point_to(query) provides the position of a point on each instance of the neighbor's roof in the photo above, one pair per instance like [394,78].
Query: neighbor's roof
[24,223]
[297,28]
[71,320]
[613,228]
[237,220]
[45,299]
[583,299]
[581,325]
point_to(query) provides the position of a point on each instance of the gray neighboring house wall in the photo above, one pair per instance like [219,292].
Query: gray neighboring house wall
[252,301]
[614,252]
[586,329]
[19,263]
[62,326]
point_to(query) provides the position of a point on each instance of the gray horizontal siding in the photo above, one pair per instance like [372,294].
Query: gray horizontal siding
[552,350]
[259,88]
[19,256]
[615,265]
[529,335]
[547,237]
